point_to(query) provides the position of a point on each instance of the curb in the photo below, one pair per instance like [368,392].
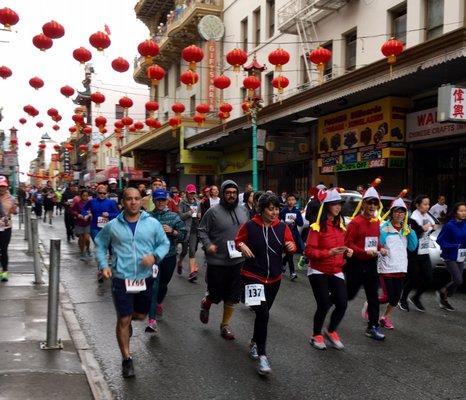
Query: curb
[95,377]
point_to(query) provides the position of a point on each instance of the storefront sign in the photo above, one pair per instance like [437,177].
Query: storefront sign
[451,103]
[200,169]
[150,160]
[371,154]
[113,161]
[199,156]
[327,169]
[378,163]
[10,158]
[238,161]
[396,162]
[350,158]
[330,160]
[423,125]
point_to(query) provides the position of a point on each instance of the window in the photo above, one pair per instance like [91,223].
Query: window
[303,70]
[350,50]
[244,34]
[257,27]
[119,112]
[192,104]
[434,20]
[270,18]
[269,88]
[166,85]
[398,16]
[178,74]
[329,65]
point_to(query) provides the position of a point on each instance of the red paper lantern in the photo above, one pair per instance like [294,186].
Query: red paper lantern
[127,121]
[193,55]
[153,123]
[97,97]
[42,146]
[280,83]
[155,73]
[120,64]
[100,121]
[320,56]
[100,40]
[28,143]
[178,108]
[87,130]
[22,121]
[56,147]
[125,102]
[108,144]
[103,131]
[148,49]
[13,142]
[152,106]
[226,108]
[96,146]
[39,124]
[222,82]
[132,129]
[42,42]
[72,129]
[199,119]
[56,127]
[189,78]
[119,124]
[279,57]
[245,106]
[8,18]
[36,82]
[391,49]
[5,72]
[236,58]
[203,109]
[223,115]
[174,122]
[69,146]
[51,112]
[57,118]
[67,91]
[251,83]
[53,30]
[138,125]
[78,119]
[82,55]
[28,109]
[34,112]
[83,147]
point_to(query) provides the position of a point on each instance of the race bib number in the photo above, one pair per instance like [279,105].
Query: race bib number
[371,243]
[254,294]
[423,245]
[135,285]
[69,202]
[101,222]
[290,218]
[194,210]
[233,253]
[461,255]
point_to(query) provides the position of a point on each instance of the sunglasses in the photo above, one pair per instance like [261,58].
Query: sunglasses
[101,192]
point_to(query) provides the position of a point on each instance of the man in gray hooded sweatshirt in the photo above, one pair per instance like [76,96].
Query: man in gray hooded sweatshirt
[217,232]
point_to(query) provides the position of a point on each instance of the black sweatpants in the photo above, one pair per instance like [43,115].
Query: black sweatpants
[364,273]
[288,259]
[394,287]
[419,276]
[328,290]
[5,237]
[262,314]
[69,225]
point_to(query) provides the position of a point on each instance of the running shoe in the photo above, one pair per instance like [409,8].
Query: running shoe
[159,310]
[293,276]
[302,263]
[318,342]
[417,304]
[127,368]
[204,314]
[151,326]
[364,313]
[192,277]
[4,276]
[374,333]
[226,333]
[179,269]
[334,339]
[263,367]
[403,305]
[386,322]
[253,351]
[443,302]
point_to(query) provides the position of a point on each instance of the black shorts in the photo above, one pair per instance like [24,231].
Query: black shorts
[224,283]
[129,303]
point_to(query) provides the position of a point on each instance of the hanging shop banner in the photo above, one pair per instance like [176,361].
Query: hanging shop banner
[10,158]
[424,125]
[238,161]
[451,103]
[200,169]
[211,62]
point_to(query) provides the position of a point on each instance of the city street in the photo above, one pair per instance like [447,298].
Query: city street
[424,358]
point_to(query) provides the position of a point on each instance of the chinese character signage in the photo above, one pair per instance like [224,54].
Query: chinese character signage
[451,104]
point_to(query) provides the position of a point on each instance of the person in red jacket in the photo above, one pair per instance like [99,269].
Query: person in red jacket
[262,240]
[363,236]
[326,251]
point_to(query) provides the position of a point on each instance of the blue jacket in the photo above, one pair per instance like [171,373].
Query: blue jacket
[97,207]
[128,249]
[298,221]
[451,238]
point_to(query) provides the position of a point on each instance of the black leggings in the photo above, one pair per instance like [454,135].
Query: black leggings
[5,237]
[288,258]
[364,273]
[419,276]
[328,290]
[262,314]
[394,287]
[69,224]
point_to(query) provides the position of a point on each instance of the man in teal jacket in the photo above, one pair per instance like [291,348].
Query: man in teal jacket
[139,244]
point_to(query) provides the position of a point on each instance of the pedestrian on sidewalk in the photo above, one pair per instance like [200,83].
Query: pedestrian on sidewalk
[67,200]
[262,241]
[175,230]
[82,224]
[7,208]
[217,232]
[139,244]
[326,251]
[49,204]
[397,237]
[452,241]
[189,213]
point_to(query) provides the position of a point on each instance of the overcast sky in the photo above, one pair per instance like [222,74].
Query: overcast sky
[57,67]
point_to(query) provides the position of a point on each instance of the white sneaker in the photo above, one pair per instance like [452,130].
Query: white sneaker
[264,366]
[364,313]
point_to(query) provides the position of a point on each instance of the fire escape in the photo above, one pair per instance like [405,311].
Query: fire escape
[300,17]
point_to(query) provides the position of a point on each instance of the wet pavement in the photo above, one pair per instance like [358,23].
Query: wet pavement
[423,358]
[26,371]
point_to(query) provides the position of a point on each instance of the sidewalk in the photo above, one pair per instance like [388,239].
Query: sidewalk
[26,371]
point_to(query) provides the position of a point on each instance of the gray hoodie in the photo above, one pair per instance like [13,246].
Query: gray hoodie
[220,224]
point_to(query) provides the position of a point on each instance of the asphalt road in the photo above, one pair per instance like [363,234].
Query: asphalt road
[423,358]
